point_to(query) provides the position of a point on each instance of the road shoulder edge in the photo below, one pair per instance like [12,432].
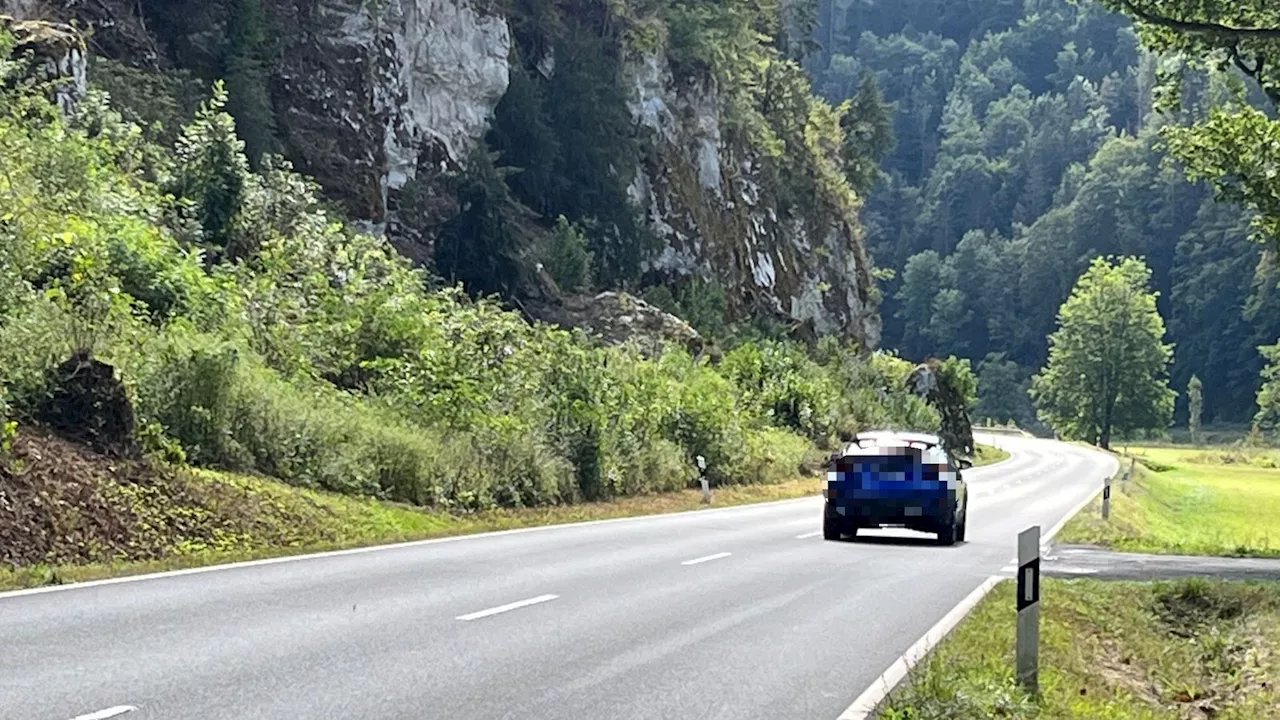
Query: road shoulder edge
[865,705]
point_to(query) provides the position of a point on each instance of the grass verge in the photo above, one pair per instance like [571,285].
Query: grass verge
[260,518]
[286,520]
[1115,650]
[1195,501]
[988,455]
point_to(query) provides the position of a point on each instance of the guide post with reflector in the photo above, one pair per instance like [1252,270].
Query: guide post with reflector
[702,478]
[1028,648]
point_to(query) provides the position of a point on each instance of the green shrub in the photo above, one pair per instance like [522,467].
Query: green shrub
[701,303]
[779,382]
[8,426]
[159,102]
[772,456]
[872,392]
[701,414]
[227,410]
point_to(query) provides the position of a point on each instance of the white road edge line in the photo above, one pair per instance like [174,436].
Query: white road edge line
[866,703]
[808,535]
[390,546]
[108,713]
[706,558]
[508,607]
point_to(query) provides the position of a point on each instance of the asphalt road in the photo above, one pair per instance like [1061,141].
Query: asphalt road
[1072,561]
[738,613]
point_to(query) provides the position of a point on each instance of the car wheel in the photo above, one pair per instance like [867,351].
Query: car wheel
[964,526]
[829,530]
[947,535]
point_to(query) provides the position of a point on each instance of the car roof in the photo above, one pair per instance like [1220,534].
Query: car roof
[894,437]
[870,444]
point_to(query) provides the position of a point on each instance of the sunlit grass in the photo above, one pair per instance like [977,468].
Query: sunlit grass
[1114,650]
[1210,501]
[988,454]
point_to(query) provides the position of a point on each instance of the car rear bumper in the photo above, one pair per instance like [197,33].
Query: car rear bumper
[912,512]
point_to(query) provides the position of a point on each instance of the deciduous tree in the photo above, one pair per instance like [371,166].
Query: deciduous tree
[1108,362]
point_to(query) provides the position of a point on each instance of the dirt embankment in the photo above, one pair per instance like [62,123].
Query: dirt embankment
[75,489]
[62,502]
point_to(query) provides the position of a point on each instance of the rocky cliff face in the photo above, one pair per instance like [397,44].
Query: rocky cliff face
[54,52]
[717,218]
[374,92]
[374,96]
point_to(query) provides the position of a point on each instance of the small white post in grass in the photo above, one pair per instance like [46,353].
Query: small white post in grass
[1106,498]
[1028,648]
[702,477]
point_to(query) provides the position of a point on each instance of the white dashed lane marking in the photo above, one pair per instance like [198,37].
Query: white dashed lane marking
[108,713]
[706,558]
[507,608]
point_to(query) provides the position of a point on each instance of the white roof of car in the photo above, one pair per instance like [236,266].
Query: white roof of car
[871,443]
[893,437]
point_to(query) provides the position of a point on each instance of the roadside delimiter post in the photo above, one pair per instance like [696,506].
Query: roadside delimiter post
[1106,498]
[702,477]
[1028,650]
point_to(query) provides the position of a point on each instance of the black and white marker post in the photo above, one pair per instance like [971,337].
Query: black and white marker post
[1106,498]
[702,477]
[1028,650]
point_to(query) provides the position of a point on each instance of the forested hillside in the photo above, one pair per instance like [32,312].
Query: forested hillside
[1026,142]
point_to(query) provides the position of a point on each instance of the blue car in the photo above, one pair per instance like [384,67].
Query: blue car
[895,479]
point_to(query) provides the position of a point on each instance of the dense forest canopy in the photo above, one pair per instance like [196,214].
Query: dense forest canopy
[1027,141]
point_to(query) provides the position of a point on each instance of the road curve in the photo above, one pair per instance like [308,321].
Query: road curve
[738,613]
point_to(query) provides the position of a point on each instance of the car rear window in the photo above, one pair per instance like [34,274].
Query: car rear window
[888,460]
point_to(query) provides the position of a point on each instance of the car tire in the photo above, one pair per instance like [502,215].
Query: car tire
[947,535]
[964,526]
[830,531]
